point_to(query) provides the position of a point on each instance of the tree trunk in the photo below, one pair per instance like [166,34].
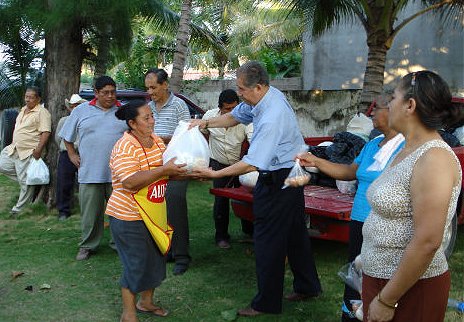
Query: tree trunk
[103,53]
[221,72]
[373,76]
[62,77]
[377,37]
[182,39]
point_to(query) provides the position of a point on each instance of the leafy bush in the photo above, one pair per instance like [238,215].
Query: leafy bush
[280,64]
[146,53]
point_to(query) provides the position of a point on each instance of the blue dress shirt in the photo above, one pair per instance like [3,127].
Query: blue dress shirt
[276,137]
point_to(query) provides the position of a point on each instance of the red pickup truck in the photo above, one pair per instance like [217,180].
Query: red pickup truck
[329,209]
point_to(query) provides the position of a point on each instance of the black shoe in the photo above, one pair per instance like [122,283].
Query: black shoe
[179,269]
[223,244]
[249,312]
[298,297]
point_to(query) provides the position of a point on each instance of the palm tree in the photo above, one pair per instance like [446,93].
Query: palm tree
[186,32]
[182,39]
[18,38]
[380,22]
[248,30]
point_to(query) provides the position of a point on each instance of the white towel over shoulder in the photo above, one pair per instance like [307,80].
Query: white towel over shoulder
[384,154]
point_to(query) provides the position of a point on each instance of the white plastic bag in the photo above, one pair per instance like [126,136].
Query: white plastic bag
[188,146]
[297,176]
[249,179]
[360,125]
[459,133]
[352,276]
[347,186]
[37,173]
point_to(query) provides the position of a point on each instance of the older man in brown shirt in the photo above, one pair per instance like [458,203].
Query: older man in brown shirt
[31,133]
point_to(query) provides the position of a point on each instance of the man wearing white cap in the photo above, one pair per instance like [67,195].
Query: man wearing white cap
[66,170]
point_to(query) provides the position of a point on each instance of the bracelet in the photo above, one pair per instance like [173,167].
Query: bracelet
[206,124]
[394,306]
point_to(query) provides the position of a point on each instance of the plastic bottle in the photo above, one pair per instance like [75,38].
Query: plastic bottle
[457,305]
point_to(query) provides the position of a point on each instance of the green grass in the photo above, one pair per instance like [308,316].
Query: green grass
[217,283]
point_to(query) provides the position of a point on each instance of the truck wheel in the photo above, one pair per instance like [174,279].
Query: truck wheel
[7,123]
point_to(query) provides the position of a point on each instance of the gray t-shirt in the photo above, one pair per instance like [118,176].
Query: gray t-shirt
[98,131]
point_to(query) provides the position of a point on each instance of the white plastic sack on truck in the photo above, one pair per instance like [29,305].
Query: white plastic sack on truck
[37,173]
[361,125]
[459,133]
[188,146]
[249,179]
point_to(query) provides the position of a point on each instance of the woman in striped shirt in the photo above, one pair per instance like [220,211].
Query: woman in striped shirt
[136,162]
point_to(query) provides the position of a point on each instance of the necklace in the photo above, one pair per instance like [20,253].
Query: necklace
[142,146]
[145,142]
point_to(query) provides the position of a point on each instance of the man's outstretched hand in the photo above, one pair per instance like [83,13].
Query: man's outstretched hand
[203,173]
[200,123]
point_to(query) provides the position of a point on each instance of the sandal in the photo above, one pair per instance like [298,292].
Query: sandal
[157,311]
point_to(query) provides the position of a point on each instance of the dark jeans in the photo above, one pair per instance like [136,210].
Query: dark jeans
[65,182]
[280,231]
[221,205]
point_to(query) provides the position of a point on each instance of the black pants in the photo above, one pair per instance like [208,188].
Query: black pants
[280,231]
[221,205]
[177,211]
[65,181]
[354,249]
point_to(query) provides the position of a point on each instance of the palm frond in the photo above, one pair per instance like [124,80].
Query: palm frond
[321,15]
[11,89]
[166,23]
[451,14]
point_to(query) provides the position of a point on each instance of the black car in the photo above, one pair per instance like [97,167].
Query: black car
[127,95]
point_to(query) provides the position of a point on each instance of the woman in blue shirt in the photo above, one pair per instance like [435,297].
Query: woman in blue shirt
[367,166]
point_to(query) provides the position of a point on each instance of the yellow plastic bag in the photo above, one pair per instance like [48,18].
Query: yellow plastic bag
[151,203]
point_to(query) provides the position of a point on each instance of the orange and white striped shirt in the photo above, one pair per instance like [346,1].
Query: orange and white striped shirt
[127,158]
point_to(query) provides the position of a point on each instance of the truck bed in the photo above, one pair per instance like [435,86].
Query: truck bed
[328,209]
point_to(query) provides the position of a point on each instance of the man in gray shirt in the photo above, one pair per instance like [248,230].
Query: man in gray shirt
[98,130]
[168,110]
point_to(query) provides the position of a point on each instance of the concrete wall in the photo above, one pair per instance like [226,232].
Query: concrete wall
[320,113]
[337,60]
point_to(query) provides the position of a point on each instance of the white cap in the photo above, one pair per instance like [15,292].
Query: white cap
[75,99]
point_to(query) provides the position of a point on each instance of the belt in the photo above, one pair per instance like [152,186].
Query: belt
[270,177]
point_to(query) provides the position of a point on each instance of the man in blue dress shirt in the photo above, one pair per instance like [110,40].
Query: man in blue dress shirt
[279,227]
